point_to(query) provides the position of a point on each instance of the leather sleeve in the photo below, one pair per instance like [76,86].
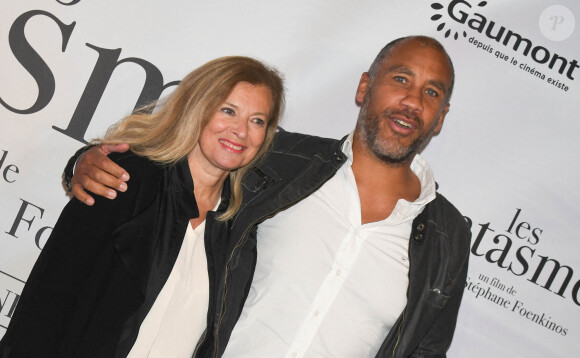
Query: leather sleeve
[77,242]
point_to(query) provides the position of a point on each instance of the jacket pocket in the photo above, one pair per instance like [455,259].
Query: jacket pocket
[435,297]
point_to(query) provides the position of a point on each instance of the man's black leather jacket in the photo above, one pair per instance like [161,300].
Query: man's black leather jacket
[298,165]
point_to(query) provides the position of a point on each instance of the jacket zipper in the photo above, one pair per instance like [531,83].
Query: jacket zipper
[405,309]
[266,217]
[399,332]
[201,339]
[217,337]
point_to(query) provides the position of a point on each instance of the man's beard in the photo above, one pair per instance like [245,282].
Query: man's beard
[389,150]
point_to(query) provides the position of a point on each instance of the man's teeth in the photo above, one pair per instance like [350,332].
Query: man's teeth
[230,145]
[404,124]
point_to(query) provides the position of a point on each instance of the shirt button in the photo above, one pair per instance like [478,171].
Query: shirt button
[338,272]
[418,237]
[294,354]
[316,313]
[420,227]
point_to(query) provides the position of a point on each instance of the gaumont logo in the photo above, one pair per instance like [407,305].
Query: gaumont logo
[460,18]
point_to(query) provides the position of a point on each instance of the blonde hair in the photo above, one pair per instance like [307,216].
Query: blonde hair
[171,132]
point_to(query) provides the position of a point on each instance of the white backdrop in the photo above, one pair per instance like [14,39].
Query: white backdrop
[506,158]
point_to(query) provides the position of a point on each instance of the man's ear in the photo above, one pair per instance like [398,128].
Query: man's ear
[363,87]
[441,119]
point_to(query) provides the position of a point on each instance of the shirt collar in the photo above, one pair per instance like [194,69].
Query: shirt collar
[347,148]
[419,166]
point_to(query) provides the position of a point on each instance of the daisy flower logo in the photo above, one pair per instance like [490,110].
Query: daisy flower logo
[442,20]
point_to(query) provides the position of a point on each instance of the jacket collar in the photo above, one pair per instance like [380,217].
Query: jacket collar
[181,184]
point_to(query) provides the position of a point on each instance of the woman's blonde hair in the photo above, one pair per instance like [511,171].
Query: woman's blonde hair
[172,131]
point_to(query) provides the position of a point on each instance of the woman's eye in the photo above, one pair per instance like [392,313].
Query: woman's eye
[259,121]
[228,111]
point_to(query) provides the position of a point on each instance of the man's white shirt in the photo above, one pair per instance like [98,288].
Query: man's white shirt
[325,285]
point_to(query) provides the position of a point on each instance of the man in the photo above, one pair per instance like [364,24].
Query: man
[357,255]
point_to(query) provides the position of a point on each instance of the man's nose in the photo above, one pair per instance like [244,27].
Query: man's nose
[413,99]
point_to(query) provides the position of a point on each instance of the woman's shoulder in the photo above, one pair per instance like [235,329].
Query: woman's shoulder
[146,175]
[135,164]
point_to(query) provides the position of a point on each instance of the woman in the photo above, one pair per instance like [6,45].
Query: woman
[130,277]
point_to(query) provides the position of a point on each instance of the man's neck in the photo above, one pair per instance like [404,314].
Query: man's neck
[380,185]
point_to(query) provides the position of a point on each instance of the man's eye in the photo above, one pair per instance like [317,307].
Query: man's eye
[228,111]
[432,92]
[400,79]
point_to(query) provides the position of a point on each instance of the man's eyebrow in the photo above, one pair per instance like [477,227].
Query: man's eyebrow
[407,71]
[439,85]
[400,69]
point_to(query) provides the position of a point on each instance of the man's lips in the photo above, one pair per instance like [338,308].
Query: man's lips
[403,122]
[234,147]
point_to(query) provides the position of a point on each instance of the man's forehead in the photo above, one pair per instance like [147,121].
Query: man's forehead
[403,57]
[416,43]
[414,47]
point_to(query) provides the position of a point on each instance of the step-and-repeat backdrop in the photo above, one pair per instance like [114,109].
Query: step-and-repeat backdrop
[508,154]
